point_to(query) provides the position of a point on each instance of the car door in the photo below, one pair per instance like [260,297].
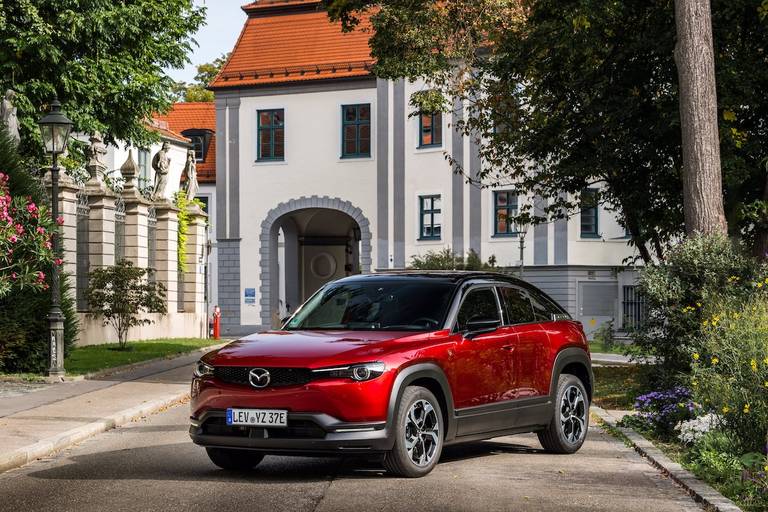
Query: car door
[479,373]
[530,342]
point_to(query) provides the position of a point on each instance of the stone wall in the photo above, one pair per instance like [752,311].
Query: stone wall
[186,320]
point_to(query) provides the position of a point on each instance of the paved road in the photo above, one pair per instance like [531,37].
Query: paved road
[151,465]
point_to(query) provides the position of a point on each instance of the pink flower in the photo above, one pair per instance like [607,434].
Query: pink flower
[48,244]
[40,277]
[41,230]
[13,239]
[31,207]
[58,261]
[60,220]
[19,229]
[13,275]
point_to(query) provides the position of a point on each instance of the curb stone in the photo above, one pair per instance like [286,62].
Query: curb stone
[699,491]
[45,447]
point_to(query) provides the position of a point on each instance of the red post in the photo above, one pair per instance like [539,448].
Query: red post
[216,322]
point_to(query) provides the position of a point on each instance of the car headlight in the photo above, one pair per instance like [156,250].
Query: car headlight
[202,369]
[356,372]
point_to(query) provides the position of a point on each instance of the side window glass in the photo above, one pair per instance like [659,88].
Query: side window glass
[517,304]
[543,308]
[478,305]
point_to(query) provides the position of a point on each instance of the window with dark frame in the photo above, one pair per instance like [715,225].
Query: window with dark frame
[589,219]
[517,305]
[143,164]
[430,129]
[198,144]
[356,131]
[430,217]
[504,212]
[271,135]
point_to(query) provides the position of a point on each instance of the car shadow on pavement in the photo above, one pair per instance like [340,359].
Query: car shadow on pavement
[185,462]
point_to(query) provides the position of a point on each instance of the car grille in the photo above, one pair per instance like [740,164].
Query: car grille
[296,429]
[278,376]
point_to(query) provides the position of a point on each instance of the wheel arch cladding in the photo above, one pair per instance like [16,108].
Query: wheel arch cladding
[573,361]
[431,377]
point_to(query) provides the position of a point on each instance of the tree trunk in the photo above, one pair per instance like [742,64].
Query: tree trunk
[702,178]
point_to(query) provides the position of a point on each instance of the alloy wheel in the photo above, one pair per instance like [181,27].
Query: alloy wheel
[422,432]
[573,414]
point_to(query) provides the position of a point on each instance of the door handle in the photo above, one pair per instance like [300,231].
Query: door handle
[508,347]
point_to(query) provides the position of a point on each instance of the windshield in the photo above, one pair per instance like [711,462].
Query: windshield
[407,305]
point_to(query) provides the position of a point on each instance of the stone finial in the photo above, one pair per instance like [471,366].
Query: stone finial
[129,171]
[8,115]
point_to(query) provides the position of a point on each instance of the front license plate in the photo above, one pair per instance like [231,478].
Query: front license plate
[257,417]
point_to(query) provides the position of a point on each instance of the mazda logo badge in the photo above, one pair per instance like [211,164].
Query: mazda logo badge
[259,377]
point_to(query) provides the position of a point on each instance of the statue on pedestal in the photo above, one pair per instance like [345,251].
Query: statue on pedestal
[190,173]
[8,116]
[95,154]
[161,163]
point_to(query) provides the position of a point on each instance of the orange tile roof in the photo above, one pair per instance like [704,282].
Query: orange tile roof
[294,41]
[200,116]
[160,126]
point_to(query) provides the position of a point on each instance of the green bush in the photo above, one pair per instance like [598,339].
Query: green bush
[24,335]
[695,273]
[730,369]
[446,259]
[605,335]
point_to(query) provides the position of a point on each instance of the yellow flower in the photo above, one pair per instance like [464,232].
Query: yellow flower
[695,383]
[705,323]
[765,361]
[729,115]
[753,365]
[736,316]
[696,356]
[766,280]
[765,383]
[726,410]
[715,360]
[698,304]
[746,408]
[760,284]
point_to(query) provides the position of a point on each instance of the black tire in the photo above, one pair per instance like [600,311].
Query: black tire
[564,437]
[399,461]
[234,460]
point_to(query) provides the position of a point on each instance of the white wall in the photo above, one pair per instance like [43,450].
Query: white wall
[208,190]
[312,167]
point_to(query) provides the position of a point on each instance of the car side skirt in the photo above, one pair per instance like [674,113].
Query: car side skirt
[493,420]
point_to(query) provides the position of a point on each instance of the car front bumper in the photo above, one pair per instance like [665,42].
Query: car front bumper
[306,434]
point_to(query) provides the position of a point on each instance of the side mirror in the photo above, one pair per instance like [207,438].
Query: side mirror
[477,326]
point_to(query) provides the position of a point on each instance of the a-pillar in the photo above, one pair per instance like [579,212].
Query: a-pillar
[167,230]
[194,271]
[101,225]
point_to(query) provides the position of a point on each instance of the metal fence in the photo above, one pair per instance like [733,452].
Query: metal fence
[635,308]
[83,257]
[119,230]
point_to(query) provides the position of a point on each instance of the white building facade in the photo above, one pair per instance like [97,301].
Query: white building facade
[322,171]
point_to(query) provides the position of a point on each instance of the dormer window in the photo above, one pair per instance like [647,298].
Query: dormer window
[200,140]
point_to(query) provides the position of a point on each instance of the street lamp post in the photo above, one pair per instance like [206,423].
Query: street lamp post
[55,129]
[521,229]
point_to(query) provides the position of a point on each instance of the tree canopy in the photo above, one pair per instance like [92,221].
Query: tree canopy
[104,59]
[567,94]
[197,90]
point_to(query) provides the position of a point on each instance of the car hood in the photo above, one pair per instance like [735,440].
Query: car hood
[307,349]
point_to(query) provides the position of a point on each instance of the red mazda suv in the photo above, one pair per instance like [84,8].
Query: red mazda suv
[398,364]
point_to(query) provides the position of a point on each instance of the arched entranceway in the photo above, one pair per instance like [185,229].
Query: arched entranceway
[306,243]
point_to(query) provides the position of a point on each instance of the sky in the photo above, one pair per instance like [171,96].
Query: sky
[224,21]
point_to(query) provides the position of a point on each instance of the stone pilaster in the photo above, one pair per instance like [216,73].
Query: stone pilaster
[101,225]
[136,216]
[167,251]
[68,231]
[194,272]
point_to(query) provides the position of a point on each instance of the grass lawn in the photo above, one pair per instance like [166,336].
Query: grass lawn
[617,386]
[600,348]
[99,357]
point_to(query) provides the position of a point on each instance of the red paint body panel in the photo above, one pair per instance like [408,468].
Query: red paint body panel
[513,362]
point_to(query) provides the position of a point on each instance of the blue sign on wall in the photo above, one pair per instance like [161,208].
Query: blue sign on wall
[250,295]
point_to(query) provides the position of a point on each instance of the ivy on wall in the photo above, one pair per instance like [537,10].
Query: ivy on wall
[183,204]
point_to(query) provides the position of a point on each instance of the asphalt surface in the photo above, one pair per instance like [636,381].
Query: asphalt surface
[152,465]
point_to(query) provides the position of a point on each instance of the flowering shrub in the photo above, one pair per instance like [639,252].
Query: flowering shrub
[730,371]
[694,274]
[695,429]
[661,411]
[26,249]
